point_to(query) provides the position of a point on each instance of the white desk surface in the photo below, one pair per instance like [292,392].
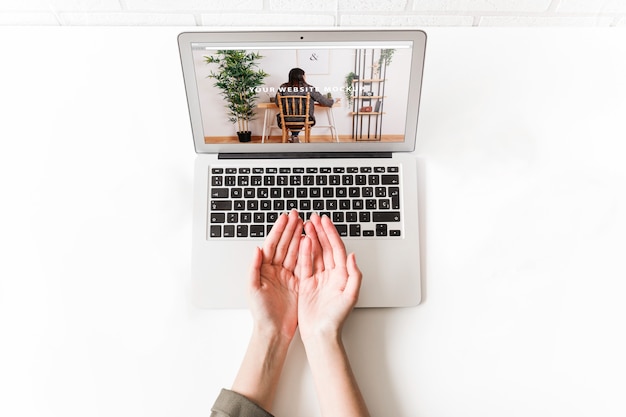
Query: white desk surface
[522,149]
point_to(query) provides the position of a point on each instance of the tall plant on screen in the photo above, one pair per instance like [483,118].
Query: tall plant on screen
[238,77]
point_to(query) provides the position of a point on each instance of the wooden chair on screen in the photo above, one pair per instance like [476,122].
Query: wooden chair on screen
[293,112]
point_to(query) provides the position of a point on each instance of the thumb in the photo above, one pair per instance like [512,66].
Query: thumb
[354,278]
[254,272]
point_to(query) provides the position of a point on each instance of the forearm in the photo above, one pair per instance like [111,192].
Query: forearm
[261,368]
[336,386]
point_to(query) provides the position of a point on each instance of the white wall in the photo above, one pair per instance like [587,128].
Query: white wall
[250,13]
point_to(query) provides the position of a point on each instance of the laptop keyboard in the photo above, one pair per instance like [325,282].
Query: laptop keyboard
[362,202]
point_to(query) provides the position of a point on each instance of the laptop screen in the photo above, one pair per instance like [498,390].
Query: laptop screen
[363,89]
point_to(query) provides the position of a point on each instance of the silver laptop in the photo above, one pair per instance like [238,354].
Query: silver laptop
[354,163]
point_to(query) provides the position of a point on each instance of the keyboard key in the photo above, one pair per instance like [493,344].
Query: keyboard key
[229,230]
[218,205]
[215,231]
[355,230]
[390,179]
[385,216]
[257,230]
[262,193]
[381,230]
[219,193]
[342,229]
[279,205]
[242,230]
[218,217]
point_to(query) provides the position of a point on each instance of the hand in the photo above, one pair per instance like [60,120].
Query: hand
[273,283]
[329,280]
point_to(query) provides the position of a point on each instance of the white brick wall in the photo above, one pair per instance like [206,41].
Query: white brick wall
[247,13]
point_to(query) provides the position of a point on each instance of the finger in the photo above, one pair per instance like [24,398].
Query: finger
[353,284]
[316,250]
[337,247]
[291,258]
[304,260]
[272,239]
[325,254]
[285,239]
[254,272]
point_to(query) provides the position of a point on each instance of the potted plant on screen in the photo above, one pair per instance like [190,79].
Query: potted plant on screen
[238,77]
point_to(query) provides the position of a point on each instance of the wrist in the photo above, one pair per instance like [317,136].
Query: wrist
[321,338]
[269,336]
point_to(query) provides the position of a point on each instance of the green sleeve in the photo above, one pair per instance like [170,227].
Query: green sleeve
[231,404]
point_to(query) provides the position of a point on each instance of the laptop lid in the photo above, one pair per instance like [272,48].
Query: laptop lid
[376,74]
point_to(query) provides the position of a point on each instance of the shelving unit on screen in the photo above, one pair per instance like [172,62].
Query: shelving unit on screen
[368,86]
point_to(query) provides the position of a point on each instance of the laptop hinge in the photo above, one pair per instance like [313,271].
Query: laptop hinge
[303,155]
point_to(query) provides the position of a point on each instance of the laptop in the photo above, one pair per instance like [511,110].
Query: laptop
[354,164]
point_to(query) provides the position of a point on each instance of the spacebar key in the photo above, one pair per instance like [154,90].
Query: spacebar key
[385,216]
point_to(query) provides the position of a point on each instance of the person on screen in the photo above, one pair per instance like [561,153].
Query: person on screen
[297,86]
[306,282]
